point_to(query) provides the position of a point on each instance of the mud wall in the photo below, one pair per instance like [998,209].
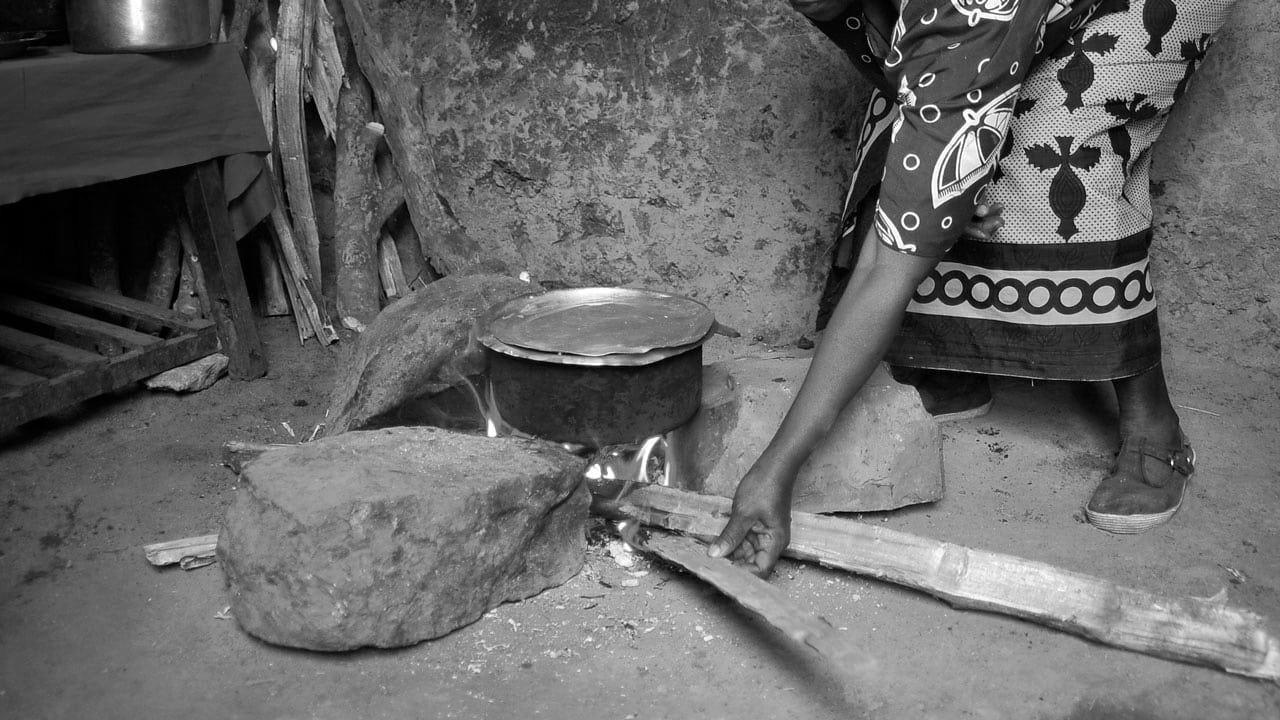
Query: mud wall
[703,147]
[1216,178]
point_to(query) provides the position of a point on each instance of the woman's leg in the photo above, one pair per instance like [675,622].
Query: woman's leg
[1146,484]
[1146,410]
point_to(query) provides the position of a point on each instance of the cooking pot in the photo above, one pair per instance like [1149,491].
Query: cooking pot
[115,26]
[596,366]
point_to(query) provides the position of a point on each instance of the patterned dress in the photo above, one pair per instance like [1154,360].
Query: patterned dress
[1050,108]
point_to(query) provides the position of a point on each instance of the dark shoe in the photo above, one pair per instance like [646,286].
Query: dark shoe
[948,395]
[1144,488]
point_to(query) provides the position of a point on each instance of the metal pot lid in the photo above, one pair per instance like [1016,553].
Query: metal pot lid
[598,322]
[613,360]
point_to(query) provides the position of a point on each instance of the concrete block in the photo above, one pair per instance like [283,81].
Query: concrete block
[883,452]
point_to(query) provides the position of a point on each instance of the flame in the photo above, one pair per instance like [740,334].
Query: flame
[494,425]
[646,450]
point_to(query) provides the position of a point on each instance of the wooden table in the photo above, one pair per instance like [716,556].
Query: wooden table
[70,120]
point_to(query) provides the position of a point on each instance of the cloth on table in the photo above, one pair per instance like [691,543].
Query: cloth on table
[70,120]
[1063,290]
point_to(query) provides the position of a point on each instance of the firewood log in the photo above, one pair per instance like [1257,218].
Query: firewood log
[1186,629]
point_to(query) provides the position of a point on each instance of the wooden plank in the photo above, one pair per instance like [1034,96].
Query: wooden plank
[1186,629]
[76,324]
[56,394]
[42,356]
[768,601]
[13,378]
[84,296]
[223,277]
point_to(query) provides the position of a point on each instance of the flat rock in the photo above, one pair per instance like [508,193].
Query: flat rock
[388,537]
[192,377]
[883,452]
[419,345]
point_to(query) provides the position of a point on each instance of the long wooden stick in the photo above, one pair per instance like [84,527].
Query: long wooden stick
[1193,630]
[294,39]
[758,596]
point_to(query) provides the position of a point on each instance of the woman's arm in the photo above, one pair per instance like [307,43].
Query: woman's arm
[857,336]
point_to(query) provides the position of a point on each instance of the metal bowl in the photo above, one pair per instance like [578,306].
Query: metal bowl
[117,26]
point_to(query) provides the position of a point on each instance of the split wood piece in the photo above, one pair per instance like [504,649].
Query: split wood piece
[1193,630]
[261,69]
[189,553]
[187,300]
[768,601]
[275,298]
[390,269]
[355,190]
[196,302]
[312,320]
[166,266]
[219,259]
[413,267]
[324,69]
[238,29]
[445,242]
[292,39]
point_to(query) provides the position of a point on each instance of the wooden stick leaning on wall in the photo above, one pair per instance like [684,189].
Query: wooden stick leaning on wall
[1194,630]
[260,61]
[298,279]
[444,241]
[355,192]
[293,37]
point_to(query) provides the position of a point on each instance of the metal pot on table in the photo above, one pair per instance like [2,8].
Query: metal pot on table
[115,26]
[597,366]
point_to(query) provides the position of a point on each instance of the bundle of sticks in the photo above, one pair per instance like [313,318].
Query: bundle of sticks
[331,166]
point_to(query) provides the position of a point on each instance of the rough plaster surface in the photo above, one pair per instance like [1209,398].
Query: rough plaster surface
[693,147]
[704,147]
[388,537]
[1217,185]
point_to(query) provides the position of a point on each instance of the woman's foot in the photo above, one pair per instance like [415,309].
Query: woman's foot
[1146,484]
[1144,488]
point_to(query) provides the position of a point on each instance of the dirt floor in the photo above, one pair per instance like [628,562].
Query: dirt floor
[89,629]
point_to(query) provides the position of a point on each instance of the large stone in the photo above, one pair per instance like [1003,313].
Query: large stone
[389,537]
[417,346]
[883,452]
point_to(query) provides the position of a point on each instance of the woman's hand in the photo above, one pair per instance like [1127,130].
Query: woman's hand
[987,219]
[821,10]
[760,527]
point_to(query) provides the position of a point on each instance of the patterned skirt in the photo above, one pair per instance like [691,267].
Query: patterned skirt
[1063,291]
